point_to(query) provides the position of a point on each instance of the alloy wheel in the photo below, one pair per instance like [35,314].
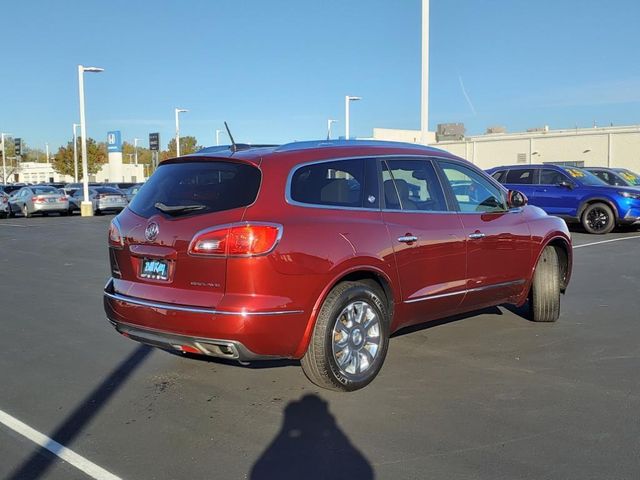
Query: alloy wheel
[597,219]
[356,339]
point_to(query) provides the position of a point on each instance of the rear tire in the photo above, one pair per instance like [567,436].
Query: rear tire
[25,211]
[598,218]
[544,297]
[350,338]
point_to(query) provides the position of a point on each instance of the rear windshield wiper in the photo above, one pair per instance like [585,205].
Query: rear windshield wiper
[178,209]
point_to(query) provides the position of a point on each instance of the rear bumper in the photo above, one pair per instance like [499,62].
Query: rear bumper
[239,335]
[103,206]
[212,347]
[51,207]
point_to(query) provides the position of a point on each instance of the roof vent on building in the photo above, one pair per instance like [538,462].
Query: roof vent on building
[522,158]
[450,131]
[496,129]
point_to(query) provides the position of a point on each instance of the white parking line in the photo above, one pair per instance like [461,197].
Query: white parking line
[605,241]
[69,456]
[4,224]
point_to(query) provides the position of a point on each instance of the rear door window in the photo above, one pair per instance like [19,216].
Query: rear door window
[204,186]
[341,183]
[412,185]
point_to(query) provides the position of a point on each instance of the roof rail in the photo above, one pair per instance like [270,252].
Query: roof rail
[288,147]
[238,148]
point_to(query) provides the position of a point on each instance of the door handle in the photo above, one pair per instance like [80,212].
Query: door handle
[476,235]
[408,239]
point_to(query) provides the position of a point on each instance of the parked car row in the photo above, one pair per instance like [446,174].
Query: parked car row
[28,200]
[598,198]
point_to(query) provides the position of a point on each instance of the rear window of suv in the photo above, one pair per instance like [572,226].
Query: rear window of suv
[213,186]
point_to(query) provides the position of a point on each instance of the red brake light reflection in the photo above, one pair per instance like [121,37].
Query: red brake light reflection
[115,237]
[236,240]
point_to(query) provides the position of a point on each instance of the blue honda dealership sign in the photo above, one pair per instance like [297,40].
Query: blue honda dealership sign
[114,141]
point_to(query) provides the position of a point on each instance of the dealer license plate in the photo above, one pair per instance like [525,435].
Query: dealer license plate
[155,269]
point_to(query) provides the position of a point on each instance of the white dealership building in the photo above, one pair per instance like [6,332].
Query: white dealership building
[588,147]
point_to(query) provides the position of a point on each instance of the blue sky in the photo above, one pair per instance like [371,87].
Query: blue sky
[277,70]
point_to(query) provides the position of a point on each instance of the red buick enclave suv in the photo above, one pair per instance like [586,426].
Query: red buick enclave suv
[318,251]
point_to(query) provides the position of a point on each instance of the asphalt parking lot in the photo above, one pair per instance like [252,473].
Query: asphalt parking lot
[489,395]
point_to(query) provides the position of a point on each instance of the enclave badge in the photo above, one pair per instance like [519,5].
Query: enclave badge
[151,232]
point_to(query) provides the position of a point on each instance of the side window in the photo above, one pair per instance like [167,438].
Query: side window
[520,176]
[472,191]
[500,175]
[343,183]
[551,177]
[606,177]
[614,179]
[412,185]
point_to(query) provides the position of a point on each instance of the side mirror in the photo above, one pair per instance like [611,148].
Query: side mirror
[565,184]
[516,199]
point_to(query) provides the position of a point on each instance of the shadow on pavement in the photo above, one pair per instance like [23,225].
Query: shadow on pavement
[311,446]
[41,460]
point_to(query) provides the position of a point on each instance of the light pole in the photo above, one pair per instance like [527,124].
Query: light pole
[178,111]
[46,147]
[329,123]
[75,152]
[218,132]
[424,90]
[4,159]
[347,100]
[135,150]
[86,208]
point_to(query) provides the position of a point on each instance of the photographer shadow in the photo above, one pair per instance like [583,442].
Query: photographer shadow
[310,445]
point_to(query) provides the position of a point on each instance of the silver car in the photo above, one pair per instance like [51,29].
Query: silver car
[38,199]
[4,205]
[103,199]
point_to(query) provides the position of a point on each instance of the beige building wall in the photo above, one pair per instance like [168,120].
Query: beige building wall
[605,146]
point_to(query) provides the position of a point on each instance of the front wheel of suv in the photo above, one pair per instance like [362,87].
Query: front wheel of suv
[350,338]
[598,218]
[544,297]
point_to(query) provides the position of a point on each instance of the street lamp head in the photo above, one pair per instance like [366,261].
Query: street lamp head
[93,69]
[180,110]
[353,99]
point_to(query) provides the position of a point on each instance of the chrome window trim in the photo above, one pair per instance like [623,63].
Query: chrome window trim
[290,201]
[181,308]
[466,290]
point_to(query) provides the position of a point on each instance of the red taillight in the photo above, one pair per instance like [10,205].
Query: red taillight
[62,199]
[115,236]
[236,240]
[38,200]
[5,199]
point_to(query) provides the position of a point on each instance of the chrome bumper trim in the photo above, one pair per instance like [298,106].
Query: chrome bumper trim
[181,308]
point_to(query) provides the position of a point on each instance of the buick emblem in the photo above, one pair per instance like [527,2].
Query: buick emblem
[151,232]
